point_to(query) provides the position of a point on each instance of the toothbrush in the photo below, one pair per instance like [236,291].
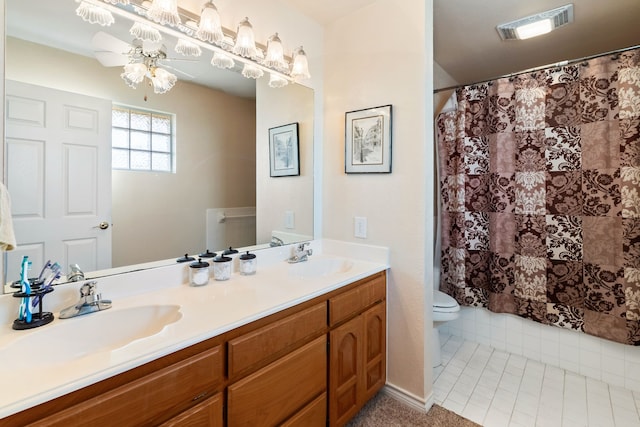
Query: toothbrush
[48,281]
[25,311]
[46,266]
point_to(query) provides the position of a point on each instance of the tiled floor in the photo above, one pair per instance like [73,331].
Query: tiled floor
[495,389]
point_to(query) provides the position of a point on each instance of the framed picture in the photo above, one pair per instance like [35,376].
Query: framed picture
[284,151]
[368,140]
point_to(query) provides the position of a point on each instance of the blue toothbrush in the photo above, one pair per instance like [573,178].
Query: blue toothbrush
[25,311]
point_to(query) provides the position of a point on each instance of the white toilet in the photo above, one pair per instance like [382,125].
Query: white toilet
[445,308]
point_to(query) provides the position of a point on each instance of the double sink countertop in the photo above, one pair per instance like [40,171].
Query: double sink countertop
[156,312]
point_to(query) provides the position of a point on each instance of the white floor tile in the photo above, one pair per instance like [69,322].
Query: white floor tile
[496,389]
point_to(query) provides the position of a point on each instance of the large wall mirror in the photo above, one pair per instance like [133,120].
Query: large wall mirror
[62,83]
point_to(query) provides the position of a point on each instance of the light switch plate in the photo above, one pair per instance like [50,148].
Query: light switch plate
[289,220]
[360,227]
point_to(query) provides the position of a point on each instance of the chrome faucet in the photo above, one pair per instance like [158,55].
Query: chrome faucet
[90,302]
[276,241]
[300,254]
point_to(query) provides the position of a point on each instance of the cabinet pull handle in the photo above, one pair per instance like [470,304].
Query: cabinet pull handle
[200,396]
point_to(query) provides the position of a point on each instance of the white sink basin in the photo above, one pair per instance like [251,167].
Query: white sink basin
[320,267]
[102,331]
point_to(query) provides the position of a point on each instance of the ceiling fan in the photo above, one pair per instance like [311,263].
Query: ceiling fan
[110,51]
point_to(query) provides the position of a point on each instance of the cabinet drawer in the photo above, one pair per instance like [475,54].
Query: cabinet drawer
[208,413]
[250,349]
[150,398]
[277,391]
[312,415]
[352,302]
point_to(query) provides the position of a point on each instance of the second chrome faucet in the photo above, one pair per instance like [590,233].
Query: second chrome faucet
[300,254]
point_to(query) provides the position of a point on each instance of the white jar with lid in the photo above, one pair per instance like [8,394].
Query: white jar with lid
[199,273]
[222,267]
[248,264]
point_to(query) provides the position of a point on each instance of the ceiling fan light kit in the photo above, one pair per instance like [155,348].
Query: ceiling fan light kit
[158,18]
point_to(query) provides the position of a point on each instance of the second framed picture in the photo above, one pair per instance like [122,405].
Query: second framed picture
[284,151]
[368,140]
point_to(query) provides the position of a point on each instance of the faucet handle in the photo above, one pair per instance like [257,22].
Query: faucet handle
[88,289]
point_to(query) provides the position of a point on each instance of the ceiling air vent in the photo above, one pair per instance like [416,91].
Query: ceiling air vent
[535,25]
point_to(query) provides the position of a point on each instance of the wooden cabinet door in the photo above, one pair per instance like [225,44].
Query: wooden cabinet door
[346,371]
[206,414]
[375,350]
[279,390]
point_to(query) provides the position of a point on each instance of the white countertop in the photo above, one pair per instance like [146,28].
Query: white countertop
[50,370]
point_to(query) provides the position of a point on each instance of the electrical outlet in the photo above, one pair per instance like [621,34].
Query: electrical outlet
[289,220]
[360,227]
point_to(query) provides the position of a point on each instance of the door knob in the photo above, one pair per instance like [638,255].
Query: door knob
[103,225]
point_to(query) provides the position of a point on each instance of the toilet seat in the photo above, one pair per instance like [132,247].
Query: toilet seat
[443,303]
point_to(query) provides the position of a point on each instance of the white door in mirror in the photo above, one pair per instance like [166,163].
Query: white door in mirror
[59,177]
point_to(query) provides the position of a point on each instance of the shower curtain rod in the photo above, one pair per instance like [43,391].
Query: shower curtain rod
[543,67]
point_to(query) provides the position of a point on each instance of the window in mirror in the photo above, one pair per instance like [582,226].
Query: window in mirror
[142,140]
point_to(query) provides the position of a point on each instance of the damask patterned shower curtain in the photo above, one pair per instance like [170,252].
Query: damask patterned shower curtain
[540,196]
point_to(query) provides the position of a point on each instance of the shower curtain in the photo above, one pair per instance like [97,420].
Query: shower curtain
[540,196]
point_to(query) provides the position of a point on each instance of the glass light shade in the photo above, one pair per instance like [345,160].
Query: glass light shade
[134,74]
[245,40]
[221,60]
[187,48]
[277,81]
[300,67]
[209,28]
[534,29]
[162,80]
[275,54]
[94,14]
[252,72]
[145,32]
[164,12]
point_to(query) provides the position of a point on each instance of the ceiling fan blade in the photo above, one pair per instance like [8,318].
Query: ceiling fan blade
[111,59]
[187,75]
[102,42]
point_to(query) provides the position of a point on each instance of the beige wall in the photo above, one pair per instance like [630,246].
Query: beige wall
[277,107]
[160,215]
[382,54]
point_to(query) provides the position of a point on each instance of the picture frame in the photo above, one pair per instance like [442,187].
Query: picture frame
[284,151]
[368,140]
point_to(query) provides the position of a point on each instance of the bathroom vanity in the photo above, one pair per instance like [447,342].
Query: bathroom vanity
[315,359]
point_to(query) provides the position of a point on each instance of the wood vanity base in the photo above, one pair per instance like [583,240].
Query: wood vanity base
[314,364]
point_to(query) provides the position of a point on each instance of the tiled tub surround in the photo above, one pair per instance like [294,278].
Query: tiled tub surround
[207,311]
[597,358]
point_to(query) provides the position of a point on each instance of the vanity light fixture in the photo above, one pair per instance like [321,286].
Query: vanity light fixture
[187,48]
[300,67]
[209,27]
[94,14]
[245,40]
[194,33]
[277,81]
[222,60]
[164,12]
[250,71]
[275,54]
[145,32]
[536,25]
